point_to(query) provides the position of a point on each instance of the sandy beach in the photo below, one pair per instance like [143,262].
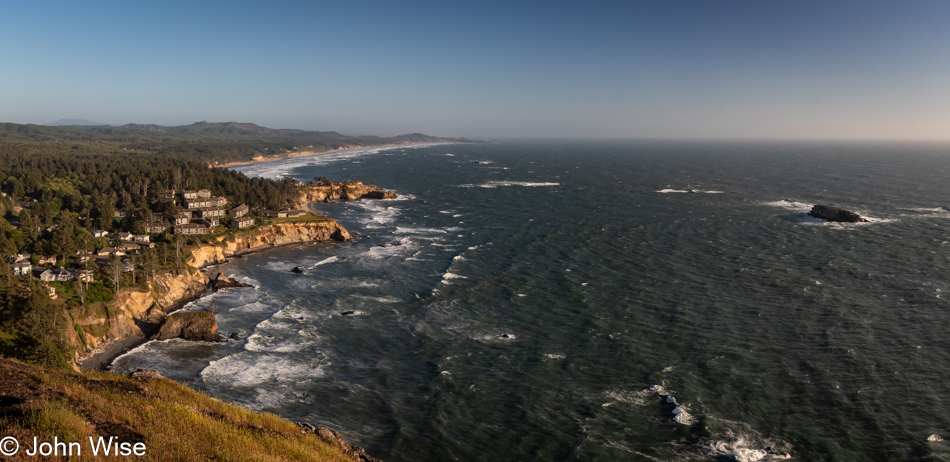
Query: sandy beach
[274,158]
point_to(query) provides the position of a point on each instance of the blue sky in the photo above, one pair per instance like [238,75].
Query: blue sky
[663,69]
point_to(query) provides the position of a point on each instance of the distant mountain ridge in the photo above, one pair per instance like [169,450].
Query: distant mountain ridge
[213,141]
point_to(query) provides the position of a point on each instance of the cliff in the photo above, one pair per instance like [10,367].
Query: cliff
[268,236]
[93,328]
[343,191]
[99,331]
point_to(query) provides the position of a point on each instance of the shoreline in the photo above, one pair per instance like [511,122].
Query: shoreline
[295,154]
[102,357]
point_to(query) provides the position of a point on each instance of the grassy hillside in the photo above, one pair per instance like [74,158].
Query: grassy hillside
[173,422]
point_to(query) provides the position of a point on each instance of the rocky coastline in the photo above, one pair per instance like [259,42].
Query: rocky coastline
[102,332]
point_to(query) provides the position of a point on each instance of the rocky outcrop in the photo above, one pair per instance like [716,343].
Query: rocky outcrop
[190,325]
[334,439]
[96,326]
[267,236]
[827,212]
[344,191]
[221,281]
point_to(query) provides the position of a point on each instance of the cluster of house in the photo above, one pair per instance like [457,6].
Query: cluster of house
[202,213]
[21,265]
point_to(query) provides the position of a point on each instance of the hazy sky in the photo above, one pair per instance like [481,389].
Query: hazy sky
[625,69]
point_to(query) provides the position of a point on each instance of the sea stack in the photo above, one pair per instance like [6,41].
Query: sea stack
[827,212]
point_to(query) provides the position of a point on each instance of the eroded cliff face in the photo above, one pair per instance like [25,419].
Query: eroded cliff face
[95,327]
[350,191]
[268,236]
[99,324]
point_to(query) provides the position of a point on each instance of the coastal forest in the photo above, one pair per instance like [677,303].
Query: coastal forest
[63,188]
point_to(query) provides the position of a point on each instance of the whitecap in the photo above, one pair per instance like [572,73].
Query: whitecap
[496,184]
[325,261]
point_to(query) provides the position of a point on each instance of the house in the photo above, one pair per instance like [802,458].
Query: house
[274,213]
[183,218]
[189,194]
[119,213]
[99,233]
[156,228]
[166,195]
[158,217]
[206,212]
[242,222]
[124,236]
[239,211]
[211,222]
[46,260]
[191,229]
[141,238]
[198,203]
[128,247]
[19,257]
[128,265]
[219,201]
[51,291]
[204,193]
[294,213]
[56,274]
[109,251]
[85,275]
[22,267]
[82,256]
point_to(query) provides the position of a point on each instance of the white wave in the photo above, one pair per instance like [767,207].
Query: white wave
[934,438]
[555,355]
[418,230]
[325,261]
[449,276]
[790,205]
[458,257]
[926,209]
[259,343]
[686,191]
[496,184]
[681,413]
[250,370]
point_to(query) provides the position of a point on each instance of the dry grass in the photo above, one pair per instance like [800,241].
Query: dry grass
[173,421]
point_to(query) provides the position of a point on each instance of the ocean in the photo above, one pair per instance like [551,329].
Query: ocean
[541,301]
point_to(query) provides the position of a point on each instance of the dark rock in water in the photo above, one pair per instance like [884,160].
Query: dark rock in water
[347,313]
[189,325]
[296,270]
[827,212]
[379,195]
[234,336]
[222,282]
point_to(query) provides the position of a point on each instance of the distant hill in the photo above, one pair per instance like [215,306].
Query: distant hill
[74,122]
[211,141]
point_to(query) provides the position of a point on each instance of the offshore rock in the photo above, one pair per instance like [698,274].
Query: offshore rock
[189,325]
[827,212]
[380,194]
[341,191]
[296,270]
[222,282]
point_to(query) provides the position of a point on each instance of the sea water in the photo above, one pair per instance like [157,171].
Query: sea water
[603,301]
